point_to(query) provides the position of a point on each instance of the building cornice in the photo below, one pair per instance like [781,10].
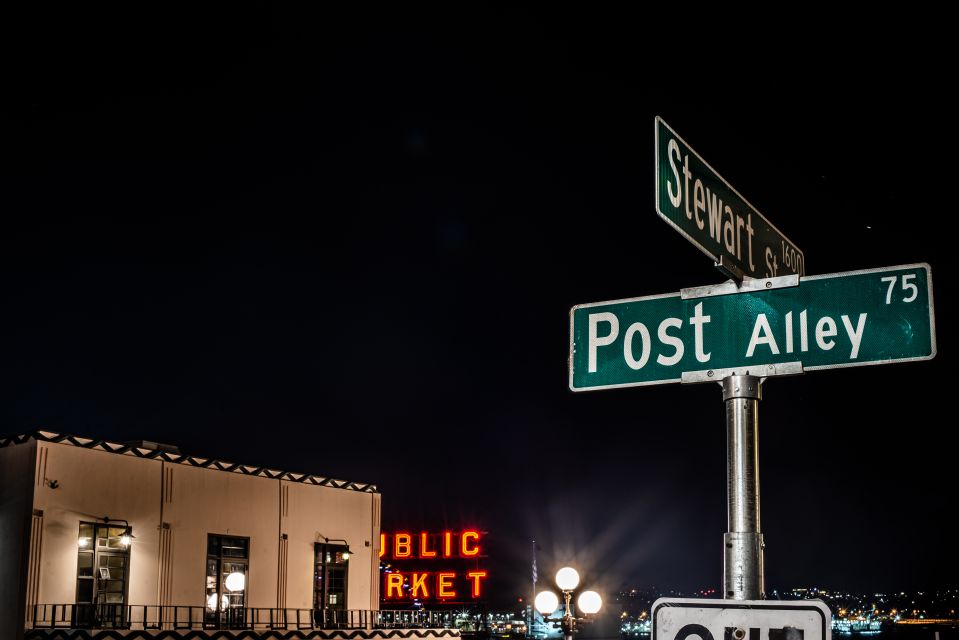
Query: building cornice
[192,461]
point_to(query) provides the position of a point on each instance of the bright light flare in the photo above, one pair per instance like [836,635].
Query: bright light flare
[567,578]
[589,602]
[211,602]
[236,581]
[546,602]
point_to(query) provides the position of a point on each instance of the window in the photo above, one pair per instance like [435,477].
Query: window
[331,569]
[227,566]
[103,564]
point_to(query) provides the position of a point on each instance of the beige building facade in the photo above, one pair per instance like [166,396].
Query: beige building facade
[97,534]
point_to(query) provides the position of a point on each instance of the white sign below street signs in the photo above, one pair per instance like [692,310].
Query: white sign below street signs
[703,619]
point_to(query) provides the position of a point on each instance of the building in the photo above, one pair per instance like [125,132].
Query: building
[137,537]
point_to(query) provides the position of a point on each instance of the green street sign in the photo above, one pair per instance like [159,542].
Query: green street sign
[693,198]
[851,319]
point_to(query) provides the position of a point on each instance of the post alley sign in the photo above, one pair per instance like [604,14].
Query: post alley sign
[432,567]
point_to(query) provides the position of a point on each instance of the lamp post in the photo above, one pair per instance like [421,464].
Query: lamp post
[589,602]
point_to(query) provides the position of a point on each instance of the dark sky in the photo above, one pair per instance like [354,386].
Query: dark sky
[348,245]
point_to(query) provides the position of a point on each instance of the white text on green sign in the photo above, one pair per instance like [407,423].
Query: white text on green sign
[856,318]
[695,200]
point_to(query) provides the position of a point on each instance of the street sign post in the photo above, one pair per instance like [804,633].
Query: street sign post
[693,198]
[769,319]
[700,619]
[777,325]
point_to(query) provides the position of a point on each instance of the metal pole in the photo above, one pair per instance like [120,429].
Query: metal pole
[568,623]
[743,577]
[532,602]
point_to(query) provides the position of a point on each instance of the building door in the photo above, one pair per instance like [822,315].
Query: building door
[227,566]
[103,565]
[331,569]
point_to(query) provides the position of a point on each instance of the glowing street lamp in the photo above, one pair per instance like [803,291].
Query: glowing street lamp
[589,602]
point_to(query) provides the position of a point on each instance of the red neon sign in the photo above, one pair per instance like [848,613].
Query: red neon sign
[426,545]
[404,548]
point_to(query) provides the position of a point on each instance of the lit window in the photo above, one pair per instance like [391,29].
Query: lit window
[103,563]
[227,564]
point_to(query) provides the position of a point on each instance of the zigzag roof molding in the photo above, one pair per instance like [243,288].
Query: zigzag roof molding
[243,634]
[193,461]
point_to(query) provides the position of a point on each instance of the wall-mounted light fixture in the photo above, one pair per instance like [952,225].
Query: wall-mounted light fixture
[345,554]
[126,538]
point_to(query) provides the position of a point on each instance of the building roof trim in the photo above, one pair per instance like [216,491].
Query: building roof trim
[193,461]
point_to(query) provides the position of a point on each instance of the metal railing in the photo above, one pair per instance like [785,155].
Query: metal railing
[137,617]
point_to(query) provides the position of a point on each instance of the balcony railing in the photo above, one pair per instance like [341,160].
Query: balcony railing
[136,617]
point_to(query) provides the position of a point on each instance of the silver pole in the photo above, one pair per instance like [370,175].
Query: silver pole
[532,603]
[569,622]
[743,577]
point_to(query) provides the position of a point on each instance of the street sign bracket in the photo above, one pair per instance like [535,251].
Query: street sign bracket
[760,371]
[728,269]
[731,286]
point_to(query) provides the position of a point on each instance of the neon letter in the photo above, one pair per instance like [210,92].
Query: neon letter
[419,584]
[444,585]
[402,545]
[464,544]
[476,576]
[394,581]
[447,544]
[424,552]
[382,544]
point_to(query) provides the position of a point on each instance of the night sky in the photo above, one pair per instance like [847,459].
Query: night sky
[348,245]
